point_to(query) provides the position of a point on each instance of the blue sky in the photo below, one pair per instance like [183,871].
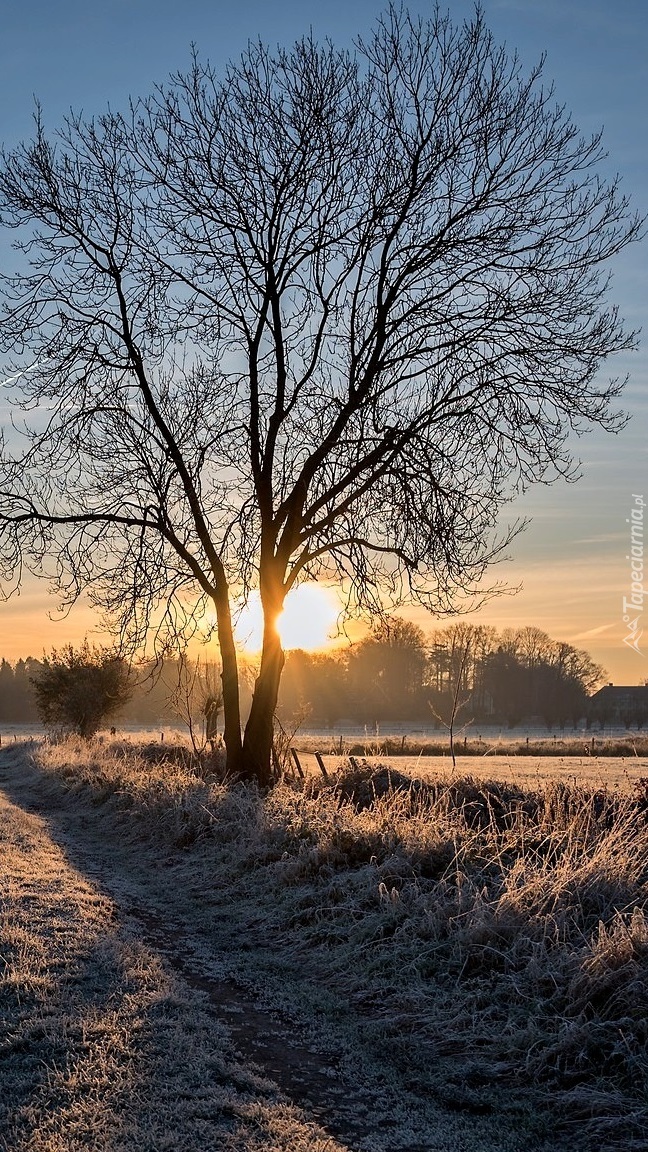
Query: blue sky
[572,559]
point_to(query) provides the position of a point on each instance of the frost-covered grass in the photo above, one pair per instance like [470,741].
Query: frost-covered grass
[487,941]
[102,1047]
[592,744]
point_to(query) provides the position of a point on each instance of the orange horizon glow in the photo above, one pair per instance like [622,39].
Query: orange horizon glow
[575,601]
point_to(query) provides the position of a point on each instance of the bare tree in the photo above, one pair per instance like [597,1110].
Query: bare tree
[385,671]
[460,648]
[194,695]
[456,703]
[320,317]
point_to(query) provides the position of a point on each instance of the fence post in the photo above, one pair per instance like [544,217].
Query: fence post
[297,764]
[322,766]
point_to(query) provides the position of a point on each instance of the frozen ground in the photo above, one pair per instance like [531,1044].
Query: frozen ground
[135,1018]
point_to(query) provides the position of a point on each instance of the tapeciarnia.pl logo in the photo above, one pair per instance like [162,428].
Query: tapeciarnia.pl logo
[633,606]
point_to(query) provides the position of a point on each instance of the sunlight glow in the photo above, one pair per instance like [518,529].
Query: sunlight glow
[308,620]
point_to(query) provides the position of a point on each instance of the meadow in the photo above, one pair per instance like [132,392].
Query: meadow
[473,942]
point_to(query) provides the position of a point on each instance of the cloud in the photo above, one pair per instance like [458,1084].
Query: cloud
[604,538]
[593,631]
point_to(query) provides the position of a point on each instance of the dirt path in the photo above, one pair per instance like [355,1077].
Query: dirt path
[129,1022]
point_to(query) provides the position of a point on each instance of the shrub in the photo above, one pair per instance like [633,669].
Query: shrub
[76,689]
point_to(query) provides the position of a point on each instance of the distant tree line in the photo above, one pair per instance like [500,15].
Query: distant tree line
[396,673]
[17,702]
[174,691]
[400,673]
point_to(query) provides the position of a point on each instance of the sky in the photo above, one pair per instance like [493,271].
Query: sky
[570,565]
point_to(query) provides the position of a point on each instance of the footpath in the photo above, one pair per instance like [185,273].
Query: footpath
[123,1029]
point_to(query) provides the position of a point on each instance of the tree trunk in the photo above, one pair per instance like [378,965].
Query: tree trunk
[229,676]
[259,730]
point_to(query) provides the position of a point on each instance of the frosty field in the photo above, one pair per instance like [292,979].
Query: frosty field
[360,965]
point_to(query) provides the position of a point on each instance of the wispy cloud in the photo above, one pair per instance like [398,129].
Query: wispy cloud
[593,632]
[604,538]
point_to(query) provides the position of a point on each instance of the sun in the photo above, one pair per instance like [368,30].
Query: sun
[308,620]
[309,617]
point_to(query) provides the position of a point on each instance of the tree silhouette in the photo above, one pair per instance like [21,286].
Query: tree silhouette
[76,689]
[318,318]
[385,672]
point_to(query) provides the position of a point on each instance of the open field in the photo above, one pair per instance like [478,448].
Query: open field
[460,964]
[614,772]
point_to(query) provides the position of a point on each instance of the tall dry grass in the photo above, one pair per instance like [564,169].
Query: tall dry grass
[487,941]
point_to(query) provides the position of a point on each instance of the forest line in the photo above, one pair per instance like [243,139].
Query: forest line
[396,673]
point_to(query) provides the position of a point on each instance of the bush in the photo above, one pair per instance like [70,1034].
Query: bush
[76,689]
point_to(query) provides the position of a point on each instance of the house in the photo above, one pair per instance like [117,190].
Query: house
[625,704]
